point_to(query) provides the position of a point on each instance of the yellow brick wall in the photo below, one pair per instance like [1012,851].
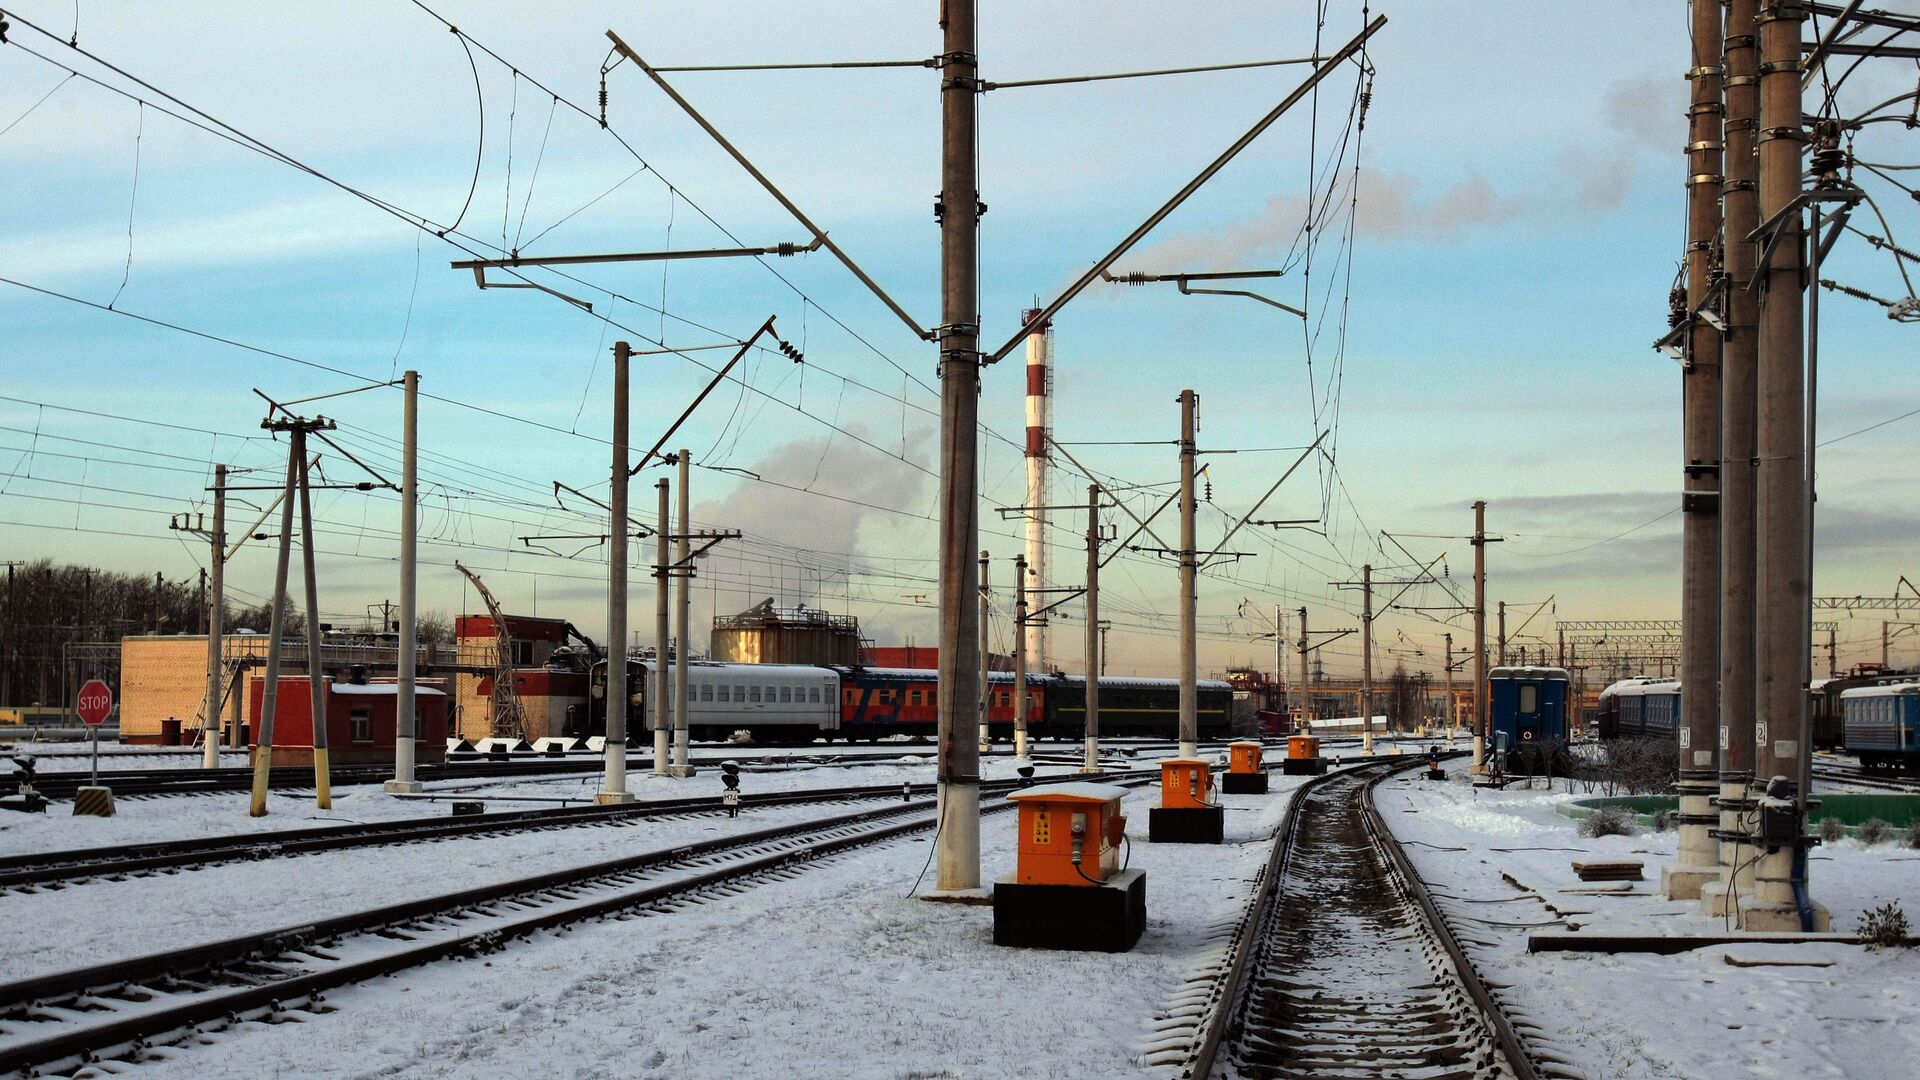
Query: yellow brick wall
[162,677]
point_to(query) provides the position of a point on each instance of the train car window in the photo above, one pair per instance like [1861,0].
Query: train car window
[813,695]
[913,697]
[753,693]
[786,693]
[723,691]
[1529,698]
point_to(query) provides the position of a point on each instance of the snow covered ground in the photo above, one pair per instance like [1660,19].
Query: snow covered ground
[1503,857]
[835,971]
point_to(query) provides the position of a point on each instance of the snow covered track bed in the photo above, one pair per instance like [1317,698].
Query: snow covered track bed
[1834,773]
[125,1009]
[1343,970]
[61,868]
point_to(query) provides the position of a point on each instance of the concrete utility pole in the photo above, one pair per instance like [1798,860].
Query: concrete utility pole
[1280,656]
[1480,542]
[216,624]
[682,631]
[1453,712]
[276,629]
[1092,762]
[1020,657]
[407,713]
[1366,659]
[986,653]
[1503,634]
[1833,658]
[1780,569]
[316,677]
[957,844]
[1306,691]
[662,601]
[1189,584]
[613,787]
[1698,858]
[1563,649]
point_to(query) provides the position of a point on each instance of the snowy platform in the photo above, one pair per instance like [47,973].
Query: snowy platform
[1500,865]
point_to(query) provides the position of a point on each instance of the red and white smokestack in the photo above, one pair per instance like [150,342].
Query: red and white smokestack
[1039,462]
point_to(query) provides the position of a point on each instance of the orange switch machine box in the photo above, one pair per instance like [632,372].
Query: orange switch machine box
[1244,757]
[1185,783]
[1302,747]
[1058,819]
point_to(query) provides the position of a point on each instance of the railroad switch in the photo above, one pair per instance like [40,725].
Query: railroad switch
[1187,813]
[1070,888]
[1246,769]
[1303,756]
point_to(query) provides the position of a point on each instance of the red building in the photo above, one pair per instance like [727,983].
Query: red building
[360,720]
[925,657]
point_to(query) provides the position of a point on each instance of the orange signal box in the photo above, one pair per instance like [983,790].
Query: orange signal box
[1061,821]
[1303,756]
[1185,784]
[1244,757]
[1246,769]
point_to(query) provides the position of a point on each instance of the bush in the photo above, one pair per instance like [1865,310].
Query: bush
[1608,821]
[1884,927]
[1663,820]
[1875,831]
[1832,829]
[1913,835]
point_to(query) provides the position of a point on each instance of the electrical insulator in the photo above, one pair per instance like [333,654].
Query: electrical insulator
[791,353]
[1676,306]
[1209,495]
[603,99]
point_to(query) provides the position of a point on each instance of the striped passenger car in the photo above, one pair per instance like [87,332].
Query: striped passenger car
[1883,725]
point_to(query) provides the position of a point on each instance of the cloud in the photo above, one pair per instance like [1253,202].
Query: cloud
[1643,116]
[1392,206]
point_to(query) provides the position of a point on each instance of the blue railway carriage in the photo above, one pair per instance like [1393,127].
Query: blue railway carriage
[1883,725]
[1640,708]
[1528,705]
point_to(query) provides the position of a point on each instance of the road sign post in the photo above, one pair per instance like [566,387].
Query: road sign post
[94,705]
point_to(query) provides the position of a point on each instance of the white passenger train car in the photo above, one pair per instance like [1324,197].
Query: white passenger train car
[773,702]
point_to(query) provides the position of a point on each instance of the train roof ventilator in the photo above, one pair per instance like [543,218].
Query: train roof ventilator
[1071,888]
[1246,769]
[1187,813]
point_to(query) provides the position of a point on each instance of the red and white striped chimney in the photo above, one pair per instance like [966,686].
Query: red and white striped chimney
[1039,462]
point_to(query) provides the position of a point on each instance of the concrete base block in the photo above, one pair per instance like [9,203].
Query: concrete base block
[1306,766]
[1678,882]
[681,772]
[1244,783]
[93,802]
[405,787]
[1185,825]
[614,798]
[1765,917]
[1096,918]
[976,897]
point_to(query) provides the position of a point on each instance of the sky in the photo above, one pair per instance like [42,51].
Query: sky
[1482,301]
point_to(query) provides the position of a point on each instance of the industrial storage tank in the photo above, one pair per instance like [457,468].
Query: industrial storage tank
[767,634]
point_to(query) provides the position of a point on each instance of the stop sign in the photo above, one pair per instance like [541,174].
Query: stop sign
[94,704]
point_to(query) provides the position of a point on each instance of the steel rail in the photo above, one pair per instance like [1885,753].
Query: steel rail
[1228,983]
[79,864]
[256,989]
[1512,1047]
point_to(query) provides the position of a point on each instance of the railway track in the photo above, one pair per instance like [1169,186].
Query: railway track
[1867,778]
[1341,966]
[136,1009]
[62,869]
